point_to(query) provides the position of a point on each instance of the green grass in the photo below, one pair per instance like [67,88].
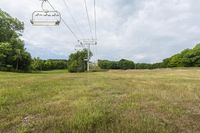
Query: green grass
[157,101]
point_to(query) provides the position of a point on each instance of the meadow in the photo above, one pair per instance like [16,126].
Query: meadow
[141,101]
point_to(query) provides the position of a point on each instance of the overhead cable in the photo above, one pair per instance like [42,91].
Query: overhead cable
[68,27]
[88,18]
[70,13]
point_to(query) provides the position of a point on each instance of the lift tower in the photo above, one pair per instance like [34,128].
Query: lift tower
[87,43]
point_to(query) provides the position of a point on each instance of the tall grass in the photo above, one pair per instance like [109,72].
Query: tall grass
[157,101]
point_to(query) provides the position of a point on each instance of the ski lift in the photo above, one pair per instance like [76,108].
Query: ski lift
[45,17]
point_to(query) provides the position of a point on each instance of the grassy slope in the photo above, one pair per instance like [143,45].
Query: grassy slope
[116,101]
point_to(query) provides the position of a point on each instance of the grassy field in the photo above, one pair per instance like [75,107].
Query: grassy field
[157,101]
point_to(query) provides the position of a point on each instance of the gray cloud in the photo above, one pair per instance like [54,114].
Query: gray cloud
[141,30]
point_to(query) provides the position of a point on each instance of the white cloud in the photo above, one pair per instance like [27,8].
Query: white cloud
[141,30]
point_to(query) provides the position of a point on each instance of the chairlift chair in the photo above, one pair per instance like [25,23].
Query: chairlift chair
[46,18]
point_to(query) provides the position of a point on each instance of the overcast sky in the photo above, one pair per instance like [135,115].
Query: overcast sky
[139,30]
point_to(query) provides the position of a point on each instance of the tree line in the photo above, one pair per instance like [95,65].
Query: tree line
[186,58]
[122,64]
[38,64]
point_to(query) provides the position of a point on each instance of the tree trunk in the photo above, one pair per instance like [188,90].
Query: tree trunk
[17,65]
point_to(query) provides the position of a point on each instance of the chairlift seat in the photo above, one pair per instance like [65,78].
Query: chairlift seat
[46,18]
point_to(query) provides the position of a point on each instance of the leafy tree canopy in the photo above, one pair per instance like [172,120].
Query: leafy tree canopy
[187,58]
[10,27]
[13,55]
[78,61]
